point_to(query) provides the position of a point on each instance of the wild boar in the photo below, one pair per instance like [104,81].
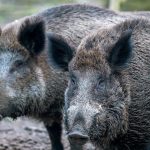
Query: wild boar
[107,99]
[28,87]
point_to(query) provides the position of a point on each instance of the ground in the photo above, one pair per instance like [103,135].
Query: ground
[25,134]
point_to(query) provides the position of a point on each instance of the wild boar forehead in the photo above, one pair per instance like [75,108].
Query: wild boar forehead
[90,60]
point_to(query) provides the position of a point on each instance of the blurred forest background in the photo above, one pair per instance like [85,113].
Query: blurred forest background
[14,9]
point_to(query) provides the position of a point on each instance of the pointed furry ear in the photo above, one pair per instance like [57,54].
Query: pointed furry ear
[121,52]
[60,53]
[31,35]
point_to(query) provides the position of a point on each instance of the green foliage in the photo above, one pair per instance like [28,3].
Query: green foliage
[136,5]
[9,12]
[14,9]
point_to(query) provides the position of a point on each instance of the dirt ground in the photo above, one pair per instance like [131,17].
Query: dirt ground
[25,134]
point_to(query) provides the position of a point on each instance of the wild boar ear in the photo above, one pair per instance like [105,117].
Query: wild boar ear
[31,35]
[60,53]
[121,52]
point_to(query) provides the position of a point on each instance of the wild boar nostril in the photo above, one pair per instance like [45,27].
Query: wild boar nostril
[77,136]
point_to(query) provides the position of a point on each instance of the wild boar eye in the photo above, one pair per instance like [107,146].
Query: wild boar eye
[73,81]
[17,65]
[100,84]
